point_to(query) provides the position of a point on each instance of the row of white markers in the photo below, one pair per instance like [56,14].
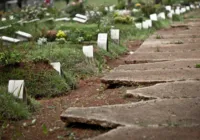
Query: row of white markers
[155,17]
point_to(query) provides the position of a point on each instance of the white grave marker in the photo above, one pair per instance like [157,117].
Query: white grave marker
[145,25]
[23,36]
[57,67]
[183,10]
[88,51]
[177,11]
[138,25]
[16,87]
[149,23]
[161,15]
[111,8]
[188,8]
[102,41]
[168,8]
[154,17]
[170,15]
[3,19]
[114,34]
[11,17]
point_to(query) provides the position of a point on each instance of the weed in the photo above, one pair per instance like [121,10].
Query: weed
[197,65]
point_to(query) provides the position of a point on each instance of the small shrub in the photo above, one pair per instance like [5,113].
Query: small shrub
[123,19]
[10,58]
[12,108]
[197,65]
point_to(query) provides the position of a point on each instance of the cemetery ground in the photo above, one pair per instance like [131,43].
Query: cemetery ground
[80,84]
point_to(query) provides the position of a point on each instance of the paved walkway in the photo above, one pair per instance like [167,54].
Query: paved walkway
[171,109]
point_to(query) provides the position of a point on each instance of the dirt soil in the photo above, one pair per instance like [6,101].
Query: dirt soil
[90,92]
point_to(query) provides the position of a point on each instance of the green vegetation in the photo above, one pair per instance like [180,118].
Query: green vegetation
[197,65]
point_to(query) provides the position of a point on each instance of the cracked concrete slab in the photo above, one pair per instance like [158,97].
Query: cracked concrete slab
[171,41]
[164,133]
[165,35]
[140,57]
[151,76]
[177,64]
[154,113]
[168,48]
[183,89]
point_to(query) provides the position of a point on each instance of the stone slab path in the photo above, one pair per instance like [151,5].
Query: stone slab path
[132,133]
[168,80]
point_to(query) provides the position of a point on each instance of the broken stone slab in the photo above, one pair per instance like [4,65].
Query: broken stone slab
[138,57]
[170,36]
[165,112]
[161,133]
[180,89]
[146,77]
[171,41]
[102,41]
[16,87]
[9,40]
[169,48]
[57,67]
[177,64]
[23,36]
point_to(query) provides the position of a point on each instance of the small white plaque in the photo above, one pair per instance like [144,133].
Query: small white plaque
[102,41]
[154,17]
[16,87]
[11,17]
[161,15]
[177,11]
[3,19]
[57,67]
[188,8]
[88,51]
[168,8]
[111,8]
[170,15]
[145,25]
[149,23]
[138,25]
[114,34]
[106,9]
